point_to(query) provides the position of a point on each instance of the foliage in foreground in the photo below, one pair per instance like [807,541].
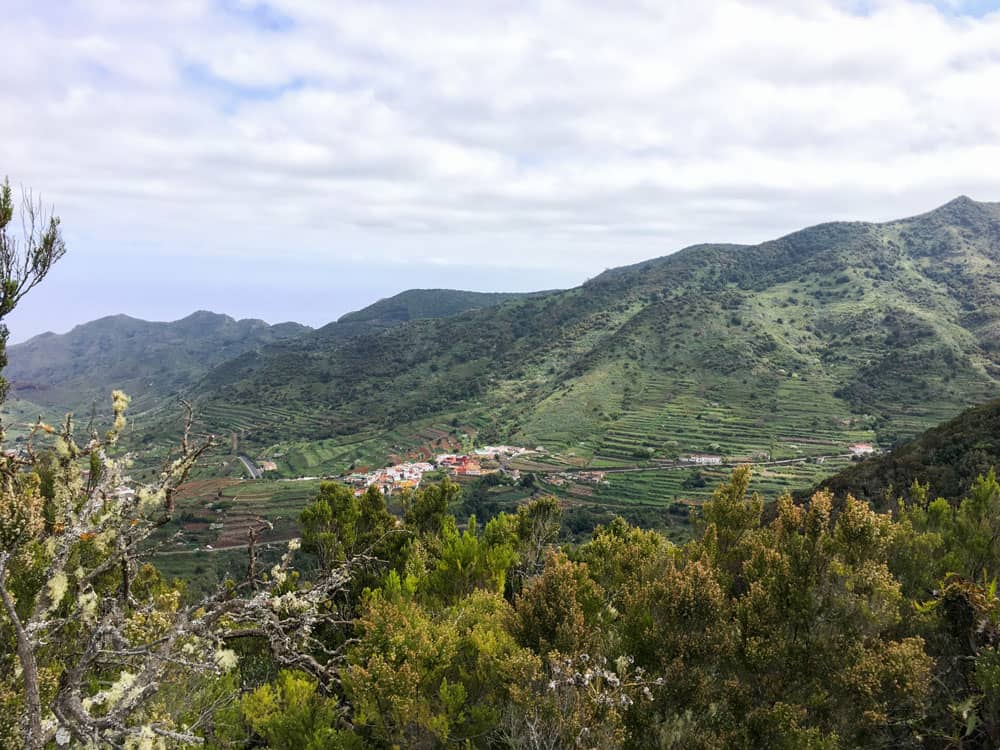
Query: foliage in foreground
[817,628]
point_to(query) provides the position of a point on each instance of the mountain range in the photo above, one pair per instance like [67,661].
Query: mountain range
[834,334]
[155,362]
[793,348]
[148,360]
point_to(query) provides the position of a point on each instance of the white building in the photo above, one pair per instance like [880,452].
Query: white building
[704,459]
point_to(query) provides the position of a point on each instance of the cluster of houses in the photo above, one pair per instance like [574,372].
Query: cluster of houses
[460,465]
[593,477]
[471,465]
[503,452]
[702,459]
[493,458]
[407,476]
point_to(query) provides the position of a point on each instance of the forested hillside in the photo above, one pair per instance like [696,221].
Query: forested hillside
[150,360]
[154,361]
[413,304]
[946,459]
[795,347]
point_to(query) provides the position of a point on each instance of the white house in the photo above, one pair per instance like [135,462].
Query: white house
[862,449]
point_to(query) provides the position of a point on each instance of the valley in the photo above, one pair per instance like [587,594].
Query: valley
[793,349]
[781,355]
[500,376]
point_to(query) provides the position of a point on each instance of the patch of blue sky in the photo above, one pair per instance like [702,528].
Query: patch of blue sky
[973,8]
[951,8]
[229,93]
[261,15]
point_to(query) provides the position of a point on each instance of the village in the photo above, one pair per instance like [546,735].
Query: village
[491,459]
[495,460]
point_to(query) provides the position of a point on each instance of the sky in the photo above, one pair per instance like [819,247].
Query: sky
[298,159]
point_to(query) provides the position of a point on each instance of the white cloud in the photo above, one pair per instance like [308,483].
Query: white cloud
[555,133]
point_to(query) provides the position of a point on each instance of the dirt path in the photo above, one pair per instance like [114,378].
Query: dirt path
[227,548]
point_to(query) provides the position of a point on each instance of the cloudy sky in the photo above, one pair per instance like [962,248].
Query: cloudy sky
[300,158]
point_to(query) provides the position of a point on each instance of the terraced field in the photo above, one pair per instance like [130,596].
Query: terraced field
[673,417]
[667,487]
[794,348]
[220,512]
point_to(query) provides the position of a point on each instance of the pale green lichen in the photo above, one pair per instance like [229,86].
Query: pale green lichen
[119,403]
[150,499]
[88,607]
[226,659]
[56,589]
[113,694]
[61,447]
[105,539]
[146,739]
[289,603]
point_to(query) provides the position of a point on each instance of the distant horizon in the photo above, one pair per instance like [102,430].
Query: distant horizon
[44,309]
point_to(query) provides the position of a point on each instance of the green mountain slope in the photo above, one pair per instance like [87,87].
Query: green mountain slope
[413,304]
[152,360]
[791,348]
[948,457]
[149,360]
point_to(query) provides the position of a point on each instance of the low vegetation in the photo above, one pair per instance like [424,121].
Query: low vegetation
[816,628]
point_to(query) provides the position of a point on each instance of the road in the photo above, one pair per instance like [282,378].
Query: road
[255,472]
[682,466]
[227,548]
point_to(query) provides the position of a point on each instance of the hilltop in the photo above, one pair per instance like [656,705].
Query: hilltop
[149,360]
[407,306]
[795,347]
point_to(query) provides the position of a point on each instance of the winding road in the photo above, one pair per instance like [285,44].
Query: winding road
[255,472]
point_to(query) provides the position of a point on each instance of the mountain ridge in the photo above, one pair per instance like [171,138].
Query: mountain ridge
[131,319]
[838,332]
[69,371]
[148,359]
